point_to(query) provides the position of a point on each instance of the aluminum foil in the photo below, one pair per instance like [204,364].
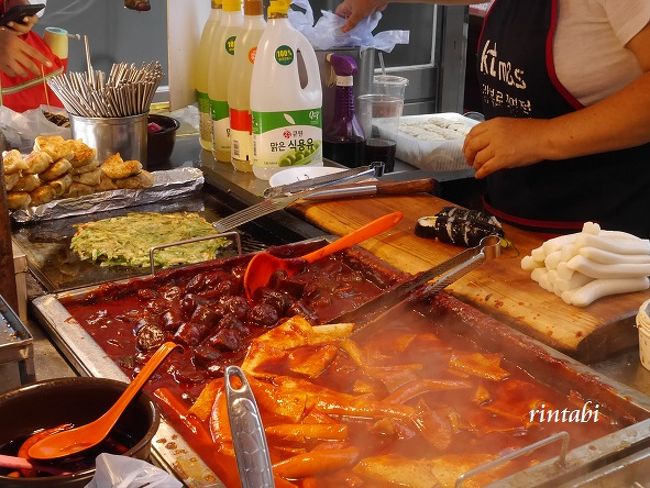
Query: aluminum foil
[166,184]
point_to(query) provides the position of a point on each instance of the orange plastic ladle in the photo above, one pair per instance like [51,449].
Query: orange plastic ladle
[263,265]
[67,442]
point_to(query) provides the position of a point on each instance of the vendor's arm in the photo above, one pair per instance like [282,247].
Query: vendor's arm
[17,58]
[354,11]
[619,121]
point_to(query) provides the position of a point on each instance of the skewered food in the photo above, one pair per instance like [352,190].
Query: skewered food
[116,168]
[13,162]
[57,170]
[459,226]
[18,199]
[126,240]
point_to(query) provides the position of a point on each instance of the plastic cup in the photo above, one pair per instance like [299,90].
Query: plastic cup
[394,86]
[379,116]
[643,323]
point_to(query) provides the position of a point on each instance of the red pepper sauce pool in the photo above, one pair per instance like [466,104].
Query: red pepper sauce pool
[115,315]
[494,426]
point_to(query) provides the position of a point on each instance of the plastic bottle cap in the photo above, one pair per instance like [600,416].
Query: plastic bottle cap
[279,7]
[253,7]
[231,5]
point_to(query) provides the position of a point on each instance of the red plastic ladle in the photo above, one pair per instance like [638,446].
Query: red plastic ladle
[263,265]
[84,437]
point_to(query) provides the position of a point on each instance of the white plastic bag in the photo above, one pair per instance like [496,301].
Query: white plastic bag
[20,129]
[124,472]
[327,34]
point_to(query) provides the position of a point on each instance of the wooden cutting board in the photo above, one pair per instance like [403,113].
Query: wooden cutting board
[500,287]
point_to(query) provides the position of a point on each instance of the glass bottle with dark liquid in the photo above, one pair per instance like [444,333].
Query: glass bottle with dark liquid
[343,138]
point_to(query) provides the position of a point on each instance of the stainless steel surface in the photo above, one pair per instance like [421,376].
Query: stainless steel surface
[428,282]
[248,438]
[563,437]
[347,176]
[16,343]
[124,135]
[630,472]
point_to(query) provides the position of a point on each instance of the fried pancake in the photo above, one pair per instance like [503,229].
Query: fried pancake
[42,194]
[105,184]
[143,180]
[57,170]
[61,185]
[11,180]
[116,168]
[83,154]
[13,161]
[55,146]
[91,178]
[86,168]
[38,161]
[78,190]
[18,199]
[27,183]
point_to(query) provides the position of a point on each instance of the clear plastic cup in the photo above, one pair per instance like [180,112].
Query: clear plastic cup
[394,86]
[379,116]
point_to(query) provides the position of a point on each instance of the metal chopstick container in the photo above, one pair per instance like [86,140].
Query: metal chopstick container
[249,441]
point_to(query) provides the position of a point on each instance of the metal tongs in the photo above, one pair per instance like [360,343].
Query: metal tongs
[374,170]
[249,441]
[427,283]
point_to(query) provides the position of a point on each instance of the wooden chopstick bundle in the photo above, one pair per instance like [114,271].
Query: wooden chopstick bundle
[128,90]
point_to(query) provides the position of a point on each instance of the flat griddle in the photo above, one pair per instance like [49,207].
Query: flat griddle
[47,244]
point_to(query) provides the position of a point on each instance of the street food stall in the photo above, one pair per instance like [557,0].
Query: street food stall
[336,325]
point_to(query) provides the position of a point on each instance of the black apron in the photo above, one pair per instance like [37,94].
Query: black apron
[517,79]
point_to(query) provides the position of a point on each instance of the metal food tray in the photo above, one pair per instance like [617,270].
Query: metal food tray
[173,452]
[16,343]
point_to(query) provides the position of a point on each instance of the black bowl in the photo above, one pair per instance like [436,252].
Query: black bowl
[161,144]
[78,400]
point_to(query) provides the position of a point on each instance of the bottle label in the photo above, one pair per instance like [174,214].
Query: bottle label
[204,102]
[284,55]
[230,45]
[291,138]
[241,139]
[220,125]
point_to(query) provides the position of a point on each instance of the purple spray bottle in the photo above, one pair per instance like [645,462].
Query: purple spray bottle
[343,137]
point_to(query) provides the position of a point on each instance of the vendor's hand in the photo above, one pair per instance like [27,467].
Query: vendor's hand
[502,143]
[354,11]
[17,57]
[25,27]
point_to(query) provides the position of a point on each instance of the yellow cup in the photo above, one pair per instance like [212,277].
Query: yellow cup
[57,39]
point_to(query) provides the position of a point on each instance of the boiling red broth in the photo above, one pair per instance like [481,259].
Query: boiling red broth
[116,316]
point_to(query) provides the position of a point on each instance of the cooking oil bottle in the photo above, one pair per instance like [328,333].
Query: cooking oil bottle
[201,72]
[287,125]
[239,86]
[220,66]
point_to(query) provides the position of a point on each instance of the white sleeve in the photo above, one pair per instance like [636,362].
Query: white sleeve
[627,17]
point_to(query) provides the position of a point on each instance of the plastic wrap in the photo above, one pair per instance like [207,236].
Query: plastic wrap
[166,185]
[438,149]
